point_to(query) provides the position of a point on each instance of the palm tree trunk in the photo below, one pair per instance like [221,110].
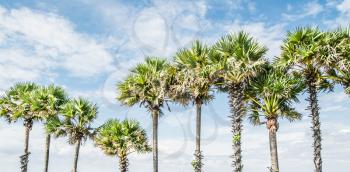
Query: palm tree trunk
[272,126]
[28,124]
[47,152]
[77,148]
[237,113]
[198,154]
[316,125]
[123,163]
[155,116]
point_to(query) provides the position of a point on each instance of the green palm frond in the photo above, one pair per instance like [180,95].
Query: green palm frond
[237,58]
[78,116]
[271,95]
[122,138]
[306,52]
[193,79]
[16,102]
[147,84]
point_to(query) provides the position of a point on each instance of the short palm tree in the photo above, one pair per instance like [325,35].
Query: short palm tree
[237,58]
[121,138]
[193,83]
[304,52]
[271,95]
[145,86]
[78,117]
[46,104]
[15,105]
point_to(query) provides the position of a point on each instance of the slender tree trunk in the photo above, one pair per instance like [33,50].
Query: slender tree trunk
[123,163]
[28,124]
[316,125]
[76,156]
[272,125]
[198,153]
[155,116]
[47,152]
[237,113]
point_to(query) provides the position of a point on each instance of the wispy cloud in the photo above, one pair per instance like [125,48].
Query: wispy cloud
[34,43]
[312,8]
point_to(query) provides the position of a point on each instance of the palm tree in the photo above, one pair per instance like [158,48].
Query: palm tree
[193,83]
[146,86]
[16,104]
[304,52]
[271,95]
[121,138]
[238,57]
[46,103]
[78,117]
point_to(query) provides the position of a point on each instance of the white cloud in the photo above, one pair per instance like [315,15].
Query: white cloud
[34,42]
[344,15]
[344,6]
[312,8]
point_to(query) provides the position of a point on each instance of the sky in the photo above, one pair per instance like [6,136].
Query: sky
[87,46]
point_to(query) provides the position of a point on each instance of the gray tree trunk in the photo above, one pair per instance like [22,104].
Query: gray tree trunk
[198,153]
[28,124]
[76,156]
[273,145]
[123,164]
[316,125]
[155,116]
[47,152]
[237,112]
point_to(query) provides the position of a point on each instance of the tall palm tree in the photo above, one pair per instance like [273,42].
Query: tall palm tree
[304,52]
[78,117]
[15,105]
[145,86]
[121,138]
[46,103]
[193,83]
[271,95]
[237,57]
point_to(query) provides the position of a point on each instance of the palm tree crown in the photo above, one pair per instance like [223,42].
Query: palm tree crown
[78,117]
[239,57]
[272,94]
[145,85]
[121,138]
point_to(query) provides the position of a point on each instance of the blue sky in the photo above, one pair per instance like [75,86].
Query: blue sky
[88,46]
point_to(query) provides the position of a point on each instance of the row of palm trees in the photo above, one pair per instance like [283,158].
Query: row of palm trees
[311,61]
[72,118]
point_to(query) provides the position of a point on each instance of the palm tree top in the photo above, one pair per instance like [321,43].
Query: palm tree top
[146,84]
[16,102]
[238,56]
[122,138]
[304,47]
[272,93]
[193,78]
[46,101]
[241,46]
[78,116]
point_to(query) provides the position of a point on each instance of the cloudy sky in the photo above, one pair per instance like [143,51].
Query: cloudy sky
[87,46]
